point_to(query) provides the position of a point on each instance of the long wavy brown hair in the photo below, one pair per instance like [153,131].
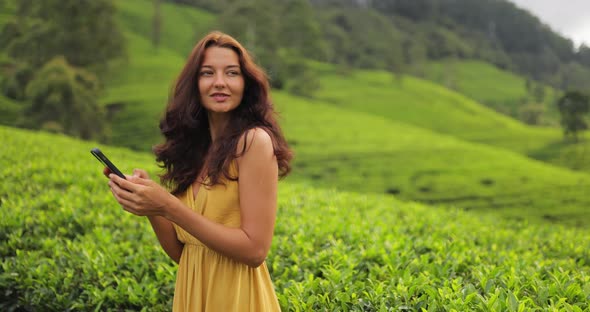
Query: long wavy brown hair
[185,125]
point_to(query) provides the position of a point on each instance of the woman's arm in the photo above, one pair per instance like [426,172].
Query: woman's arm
[167,237]
[258,182]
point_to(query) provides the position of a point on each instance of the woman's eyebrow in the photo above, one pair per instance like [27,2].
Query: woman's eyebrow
[228,66]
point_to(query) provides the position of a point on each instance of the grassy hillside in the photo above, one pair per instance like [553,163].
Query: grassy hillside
[427,105]
[66,245]
[181,26]
[364,153]
[501,90]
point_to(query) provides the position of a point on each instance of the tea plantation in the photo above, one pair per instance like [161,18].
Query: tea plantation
[66,245]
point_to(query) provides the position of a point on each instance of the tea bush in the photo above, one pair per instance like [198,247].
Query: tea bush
[66,245]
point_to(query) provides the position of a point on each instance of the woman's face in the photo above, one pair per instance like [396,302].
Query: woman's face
[221,84]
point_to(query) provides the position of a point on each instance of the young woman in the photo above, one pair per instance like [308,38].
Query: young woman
[223,155]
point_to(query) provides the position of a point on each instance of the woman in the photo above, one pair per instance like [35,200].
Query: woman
[223,154]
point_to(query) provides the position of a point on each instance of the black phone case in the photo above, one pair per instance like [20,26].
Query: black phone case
[105,161]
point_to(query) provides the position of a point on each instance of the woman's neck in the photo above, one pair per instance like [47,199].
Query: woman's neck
[217,123]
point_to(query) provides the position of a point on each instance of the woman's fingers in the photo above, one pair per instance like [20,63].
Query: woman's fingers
[121,192]
[117,193]
[140,173]
[124,184]
[127,205]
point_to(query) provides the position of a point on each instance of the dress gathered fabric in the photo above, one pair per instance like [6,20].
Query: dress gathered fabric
[209,281]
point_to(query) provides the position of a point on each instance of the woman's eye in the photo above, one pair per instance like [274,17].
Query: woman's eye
[233,73]
[206,73]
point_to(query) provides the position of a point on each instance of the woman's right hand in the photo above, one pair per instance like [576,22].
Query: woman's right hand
[136,173]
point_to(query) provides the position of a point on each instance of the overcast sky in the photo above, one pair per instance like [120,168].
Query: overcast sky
[571,18]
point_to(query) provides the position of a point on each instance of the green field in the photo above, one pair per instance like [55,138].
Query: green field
[430,106]
[66,245]
[363,153]
[501,90]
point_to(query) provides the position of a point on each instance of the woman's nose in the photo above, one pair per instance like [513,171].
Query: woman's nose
[219,81]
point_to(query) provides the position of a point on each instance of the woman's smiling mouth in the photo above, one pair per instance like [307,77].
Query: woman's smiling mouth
[220,97]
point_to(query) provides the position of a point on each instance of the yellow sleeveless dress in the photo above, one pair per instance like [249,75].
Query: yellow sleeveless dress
[209,281]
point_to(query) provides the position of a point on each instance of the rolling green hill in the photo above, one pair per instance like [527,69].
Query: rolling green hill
[66,245]
[501,90]
[361,152]
[336,146]
[427,105]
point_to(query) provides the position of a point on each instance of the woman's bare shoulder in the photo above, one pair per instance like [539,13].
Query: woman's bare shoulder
[255,140]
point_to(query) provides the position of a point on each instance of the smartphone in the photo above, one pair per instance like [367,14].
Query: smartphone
[105,161]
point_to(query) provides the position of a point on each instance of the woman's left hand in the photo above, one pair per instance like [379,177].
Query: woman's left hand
[140,195]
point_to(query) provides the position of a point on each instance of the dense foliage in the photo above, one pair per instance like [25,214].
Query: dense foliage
[64,99]
[84,32]
[493,31]
[66,245]
[57,50]
[573,106]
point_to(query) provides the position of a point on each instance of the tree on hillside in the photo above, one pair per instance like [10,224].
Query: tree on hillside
[531,114]
[57,49]
[156,24]
[300,31]
[215,6]
[83,31]
[15,80]
[62,98]
[362,38]
[300,39]
[281,35]
[254,24]
[572,107]
[583,55]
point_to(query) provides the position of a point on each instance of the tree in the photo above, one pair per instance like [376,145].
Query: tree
[156,24]
[531,114]
[583,55]
[61,98]
[83,31]
[254,24]
[538,92]
[300,31]
[572,107]
[281,35]
[16,77]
